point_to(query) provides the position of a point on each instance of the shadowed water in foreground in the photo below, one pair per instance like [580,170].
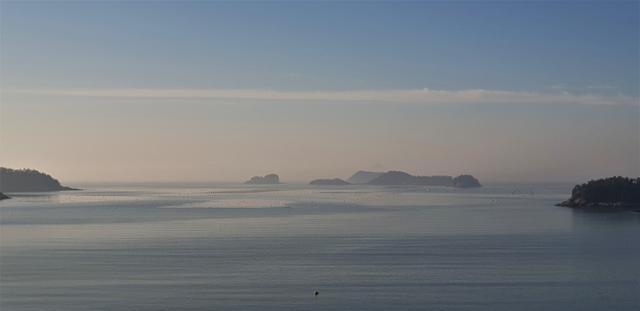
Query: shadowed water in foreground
[230,247]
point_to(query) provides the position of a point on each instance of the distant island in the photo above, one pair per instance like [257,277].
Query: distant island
[28,180]
[329,182]
[363,177]
[264,180]
[466,181]
[397,178]
[3,196]
[607,193]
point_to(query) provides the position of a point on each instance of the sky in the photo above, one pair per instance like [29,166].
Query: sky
[221,91]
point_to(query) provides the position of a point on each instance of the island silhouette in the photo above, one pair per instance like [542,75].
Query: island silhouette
[363,177]
[268,179]
[28,180]
[608,193]
[398,178]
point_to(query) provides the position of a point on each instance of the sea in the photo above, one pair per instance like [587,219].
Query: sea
[300,247]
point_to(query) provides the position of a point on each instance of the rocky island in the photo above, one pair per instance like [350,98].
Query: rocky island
[28,180]
[268,179]
[397,178]
[329,182]
[611,193]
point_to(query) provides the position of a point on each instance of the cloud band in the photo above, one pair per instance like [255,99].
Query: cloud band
[415,96]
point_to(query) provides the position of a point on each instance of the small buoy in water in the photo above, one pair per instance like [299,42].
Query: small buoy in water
[316,293]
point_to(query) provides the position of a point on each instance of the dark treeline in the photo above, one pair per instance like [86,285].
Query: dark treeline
[608,191]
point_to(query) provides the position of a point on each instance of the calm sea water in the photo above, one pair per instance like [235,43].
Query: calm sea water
[232,247]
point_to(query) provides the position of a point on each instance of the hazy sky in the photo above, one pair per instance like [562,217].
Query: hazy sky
[161,91]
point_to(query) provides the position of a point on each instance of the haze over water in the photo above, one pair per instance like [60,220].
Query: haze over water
[158,110]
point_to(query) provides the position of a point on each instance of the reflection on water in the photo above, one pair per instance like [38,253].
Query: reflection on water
[204,247]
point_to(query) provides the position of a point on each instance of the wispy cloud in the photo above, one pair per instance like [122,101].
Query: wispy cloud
[415,96]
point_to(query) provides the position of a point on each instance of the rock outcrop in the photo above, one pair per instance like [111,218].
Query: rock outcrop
[264,180]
